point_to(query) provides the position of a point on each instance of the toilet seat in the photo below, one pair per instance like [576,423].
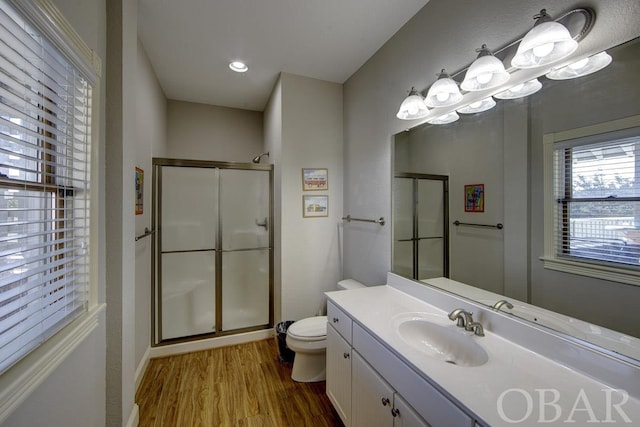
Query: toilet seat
[309,329]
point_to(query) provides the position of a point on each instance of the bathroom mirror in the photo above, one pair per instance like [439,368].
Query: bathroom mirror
[502,150]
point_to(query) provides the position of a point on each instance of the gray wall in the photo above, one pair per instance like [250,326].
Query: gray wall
[273,144]
[305,135]
[444,34]
[208,132]
[121,133]
[151,141]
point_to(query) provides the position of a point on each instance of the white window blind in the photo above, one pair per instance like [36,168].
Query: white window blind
[597,198]
[44,188]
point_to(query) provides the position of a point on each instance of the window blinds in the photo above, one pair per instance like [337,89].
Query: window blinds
[44,188]
[597,193]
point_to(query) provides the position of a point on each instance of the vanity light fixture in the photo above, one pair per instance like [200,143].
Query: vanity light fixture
[443,92]
[238,66]
[581,67]
[520,90]
[548,41]
[478,106]
[485,72]
[413,107]
[444,119]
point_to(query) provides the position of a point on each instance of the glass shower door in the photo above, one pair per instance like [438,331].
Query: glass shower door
[403,226]
[420,226]
[431,228]
[187,239]
[245,242]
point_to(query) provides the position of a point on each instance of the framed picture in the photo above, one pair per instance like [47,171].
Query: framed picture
[474,198]
[139,190]
[315,179]
[315,206]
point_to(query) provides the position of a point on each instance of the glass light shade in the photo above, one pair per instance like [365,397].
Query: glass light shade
[444,119]
[520,90]
[443,92]
[548,41]
[413,107]
[486,72]
[582,67]
[478,106]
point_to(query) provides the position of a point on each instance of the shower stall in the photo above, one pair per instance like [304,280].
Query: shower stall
[213,248]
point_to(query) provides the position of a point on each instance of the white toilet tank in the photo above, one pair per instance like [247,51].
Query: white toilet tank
[349,284]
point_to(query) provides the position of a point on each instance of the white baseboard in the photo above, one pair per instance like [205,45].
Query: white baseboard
[187,347]
[142,367]
[134,416]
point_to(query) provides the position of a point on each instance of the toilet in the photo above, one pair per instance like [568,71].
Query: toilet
[308,339]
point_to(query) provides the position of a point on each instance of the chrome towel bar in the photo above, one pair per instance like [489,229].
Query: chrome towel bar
[379,221]
[499,226]
[147,232]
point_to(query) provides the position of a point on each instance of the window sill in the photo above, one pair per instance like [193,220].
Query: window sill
[604,272]
[17,383]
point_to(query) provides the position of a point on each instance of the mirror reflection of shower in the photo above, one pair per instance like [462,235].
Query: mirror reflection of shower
[256,159]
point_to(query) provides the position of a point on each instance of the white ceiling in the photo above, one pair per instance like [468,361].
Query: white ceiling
[191,42]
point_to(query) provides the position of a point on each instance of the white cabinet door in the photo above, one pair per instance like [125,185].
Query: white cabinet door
[339,374]
[372,398]
[404,415]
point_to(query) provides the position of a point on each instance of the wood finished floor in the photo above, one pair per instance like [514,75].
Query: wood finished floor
[240,385]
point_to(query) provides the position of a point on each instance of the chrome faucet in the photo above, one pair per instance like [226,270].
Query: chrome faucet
[462,317]
[500,303]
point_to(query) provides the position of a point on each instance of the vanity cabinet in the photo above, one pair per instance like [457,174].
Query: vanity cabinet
[376,403]
[367,383]
[339,362]
[432,405]
[339,374]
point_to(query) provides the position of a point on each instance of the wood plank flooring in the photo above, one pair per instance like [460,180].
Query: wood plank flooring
[240,385]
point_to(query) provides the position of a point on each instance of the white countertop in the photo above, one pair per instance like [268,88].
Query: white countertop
[514,380]
[607,338]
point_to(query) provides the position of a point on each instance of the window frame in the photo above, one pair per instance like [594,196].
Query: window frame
[551,261]
[24,377]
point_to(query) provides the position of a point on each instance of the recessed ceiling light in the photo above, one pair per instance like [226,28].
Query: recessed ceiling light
[238,67]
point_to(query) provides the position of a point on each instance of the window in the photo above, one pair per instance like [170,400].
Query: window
[45,130]
[593,201]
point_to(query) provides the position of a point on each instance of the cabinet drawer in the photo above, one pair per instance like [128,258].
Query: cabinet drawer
[427,401]
[339,320]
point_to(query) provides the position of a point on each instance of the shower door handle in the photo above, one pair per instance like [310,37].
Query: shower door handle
[264,224]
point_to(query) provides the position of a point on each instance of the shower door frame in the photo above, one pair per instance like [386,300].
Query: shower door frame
[415,239]
[156,241]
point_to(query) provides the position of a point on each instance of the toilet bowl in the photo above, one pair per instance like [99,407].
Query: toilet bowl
[308,339]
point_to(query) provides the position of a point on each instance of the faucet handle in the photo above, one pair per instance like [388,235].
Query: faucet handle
[476,327]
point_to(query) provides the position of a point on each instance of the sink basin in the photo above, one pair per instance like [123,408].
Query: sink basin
[447,343]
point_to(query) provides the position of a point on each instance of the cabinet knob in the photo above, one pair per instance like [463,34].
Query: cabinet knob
[346,355]
[336,320]
[385,401]
[395,412]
